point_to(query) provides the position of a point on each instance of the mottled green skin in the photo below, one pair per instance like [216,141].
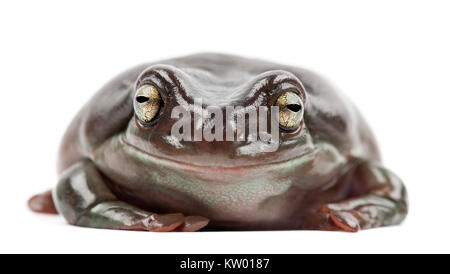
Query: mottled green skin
[116,173]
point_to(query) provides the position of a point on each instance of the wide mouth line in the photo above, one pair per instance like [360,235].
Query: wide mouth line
[215,167]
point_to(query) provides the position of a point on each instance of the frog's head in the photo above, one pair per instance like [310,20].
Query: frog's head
[170,100]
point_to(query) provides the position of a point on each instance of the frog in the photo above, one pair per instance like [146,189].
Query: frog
[120,166]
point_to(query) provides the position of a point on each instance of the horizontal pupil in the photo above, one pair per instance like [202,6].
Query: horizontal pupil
[294,107]
[142,99]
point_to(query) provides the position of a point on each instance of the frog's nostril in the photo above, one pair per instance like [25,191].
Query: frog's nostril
[142,99]
[294,107]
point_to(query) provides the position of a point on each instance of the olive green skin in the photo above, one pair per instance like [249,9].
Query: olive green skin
[325,175]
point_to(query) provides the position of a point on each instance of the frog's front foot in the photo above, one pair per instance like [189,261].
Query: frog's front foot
[120,215]
[380,199]
[84,199]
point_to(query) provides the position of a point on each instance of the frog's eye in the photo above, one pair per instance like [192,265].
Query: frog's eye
[147,104]
[290,110]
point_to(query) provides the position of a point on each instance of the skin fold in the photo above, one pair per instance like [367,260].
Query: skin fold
[117,173]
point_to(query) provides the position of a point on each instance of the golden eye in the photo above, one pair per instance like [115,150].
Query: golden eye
[147,103]
[290,110]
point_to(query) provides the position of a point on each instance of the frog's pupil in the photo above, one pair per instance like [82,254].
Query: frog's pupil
[142,99]
[294,107]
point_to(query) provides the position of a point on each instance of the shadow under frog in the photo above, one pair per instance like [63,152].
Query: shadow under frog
[120,166]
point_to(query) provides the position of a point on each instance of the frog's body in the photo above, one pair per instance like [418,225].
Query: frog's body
[324,175]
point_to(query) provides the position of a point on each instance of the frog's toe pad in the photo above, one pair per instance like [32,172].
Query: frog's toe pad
[193,223]
[164,222]
[333,220]
[42,203]
[345,220]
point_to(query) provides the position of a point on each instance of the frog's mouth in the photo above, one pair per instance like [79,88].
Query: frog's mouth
[305,156]
[218,155]
[323,163]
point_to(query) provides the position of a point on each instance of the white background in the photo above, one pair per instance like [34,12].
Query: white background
[391,57]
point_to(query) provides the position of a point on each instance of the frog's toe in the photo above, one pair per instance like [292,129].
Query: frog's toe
[319,221]
[164,222]
[346,220]
[42,203]
[333,220]
[193,223]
